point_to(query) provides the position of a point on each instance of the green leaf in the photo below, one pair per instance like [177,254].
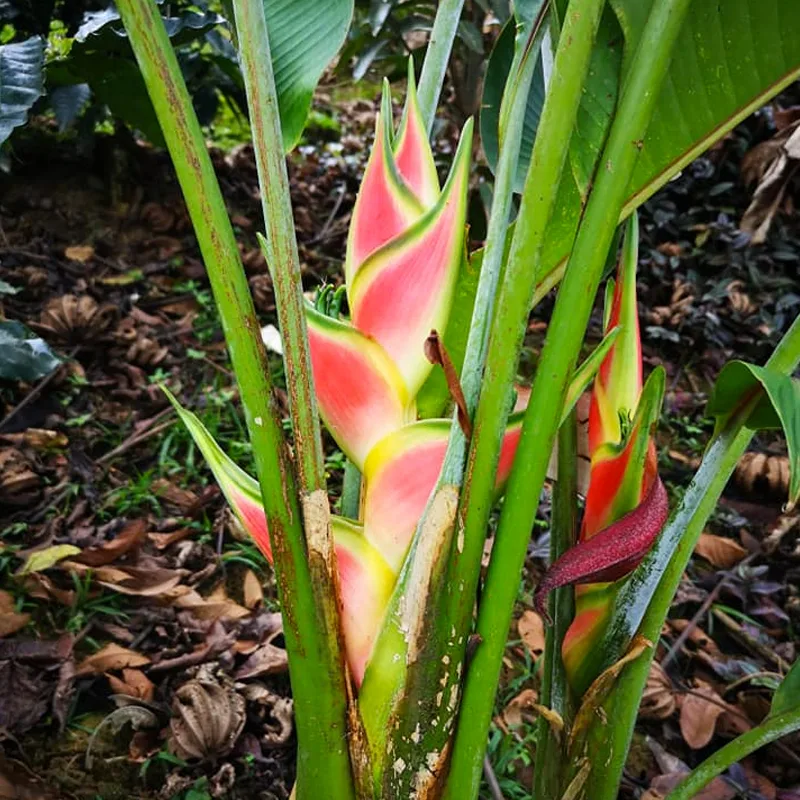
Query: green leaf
[49,557]
[778,407]
[118,83]
[21,82]
[594,114]
[304,36]
[497,71]
[730,59]
[787,695]
[7,288]
[598,102]
[23,356]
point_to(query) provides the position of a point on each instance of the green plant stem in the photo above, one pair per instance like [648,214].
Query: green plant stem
[445,25]
[351,491]
[733,752]
[512,113]
[280,243]
[508,327]
[555,693]
[564,337]
[648,594]
[319,706]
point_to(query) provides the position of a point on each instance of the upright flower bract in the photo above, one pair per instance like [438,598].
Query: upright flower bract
[626,504]
[404,253]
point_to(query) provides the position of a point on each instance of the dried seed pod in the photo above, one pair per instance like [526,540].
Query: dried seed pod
[207,720]
[146,352]
[19,484]
[759,472]
[73,320]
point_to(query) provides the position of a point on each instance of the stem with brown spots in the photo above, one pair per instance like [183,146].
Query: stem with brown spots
[315,665]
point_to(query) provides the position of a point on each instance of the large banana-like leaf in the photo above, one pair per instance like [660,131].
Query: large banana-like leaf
[730,58]
[304,36]
[21,76]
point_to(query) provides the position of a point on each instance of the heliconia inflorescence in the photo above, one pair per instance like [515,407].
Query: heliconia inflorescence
[404,253]
[626,503]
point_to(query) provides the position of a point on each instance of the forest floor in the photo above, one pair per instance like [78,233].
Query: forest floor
[125,578]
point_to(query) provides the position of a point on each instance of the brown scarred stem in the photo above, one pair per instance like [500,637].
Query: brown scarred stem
[436,353]
[611,553]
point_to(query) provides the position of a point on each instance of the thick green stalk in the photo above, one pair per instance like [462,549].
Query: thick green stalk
[280,244]
[555,693]
[652,587]
[733,752]
[280,250]
[319,709]
[512,114]
[564,337]
[440,44]
[508,327]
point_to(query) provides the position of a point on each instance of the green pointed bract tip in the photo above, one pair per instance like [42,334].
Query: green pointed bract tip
[241,490]
[619,381]
[405,289]
[412,150]
[366,580]
[385,206]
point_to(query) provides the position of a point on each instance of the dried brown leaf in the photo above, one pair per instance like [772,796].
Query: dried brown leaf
[163,540]
[266,659]
[79,252]
[252,591]
[719,551]
[11,620]
[519,709]
[133,683]
[700,711]
[216,606]
[150,581]
[112,656]
[658,699]
[37,439]
[40,586]
[129,538]
[531,630]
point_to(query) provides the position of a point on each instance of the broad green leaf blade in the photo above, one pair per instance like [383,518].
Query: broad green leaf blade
[787,695]
[779,407]
[304,36]
[23,356]
[21,82]
[497,71]
[598,102]
[729,60]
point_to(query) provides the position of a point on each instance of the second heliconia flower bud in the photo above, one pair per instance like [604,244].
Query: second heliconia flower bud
[626,504]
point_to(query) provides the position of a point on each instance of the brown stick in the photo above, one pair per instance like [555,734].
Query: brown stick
[436,353]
